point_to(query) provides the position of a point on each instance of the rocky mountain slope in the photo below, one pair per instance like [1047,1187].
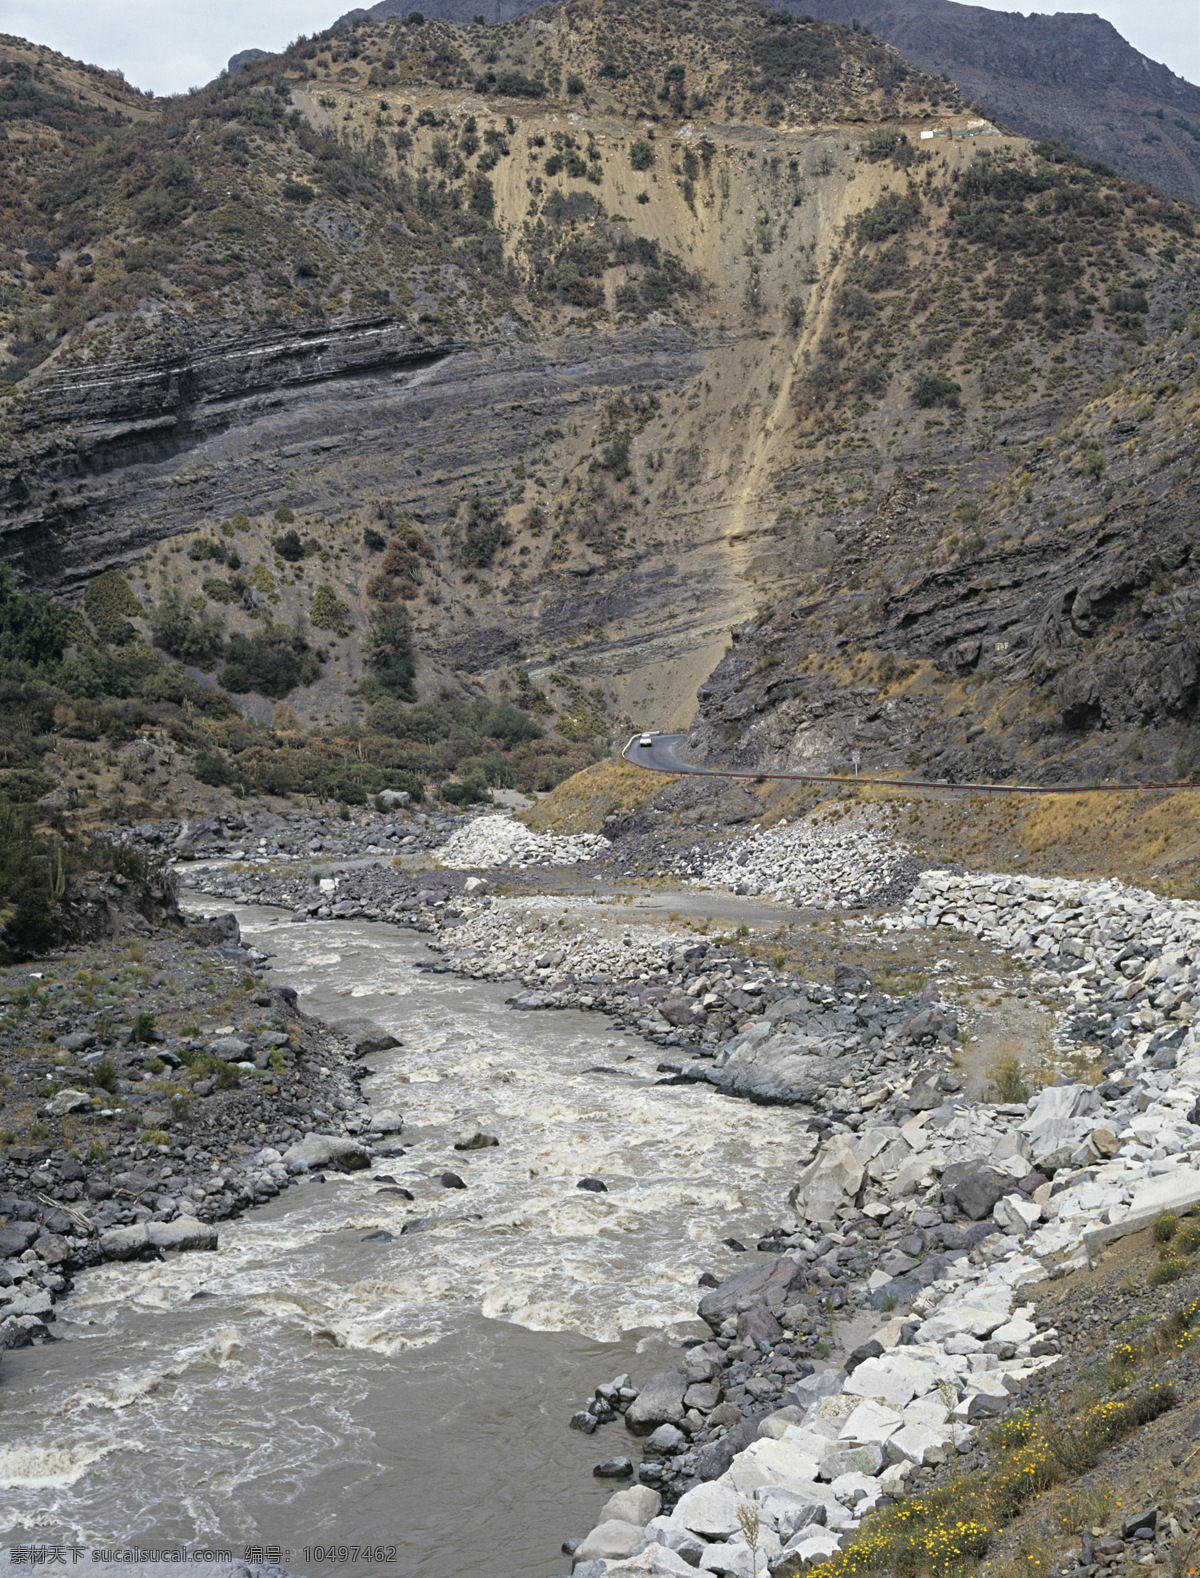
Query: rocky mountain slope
[1070,76]
[569,344]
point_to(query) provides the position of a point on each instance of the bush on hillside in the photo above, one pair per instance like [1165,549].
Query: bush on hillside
[33,630]
[192,637]
[109,603]
[271,662]
[388,653]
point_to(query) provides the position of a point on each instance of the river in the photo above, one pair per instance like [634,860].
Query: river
[301,1388]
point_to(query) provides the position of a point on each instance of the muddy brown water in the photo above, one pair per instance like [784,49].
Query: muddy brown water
[412,1393]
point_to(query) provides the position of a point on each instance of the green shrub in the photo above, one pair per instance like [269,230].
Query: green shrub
[196,638]
[1170,1268]
[890,216]
[1010,1082]
[888,142]
[516,86]
[218,591]
[328,612]
[298,192]
[97,1152]
[373,541]
[30,872]
[108,603]
[931,388]
[472,789]
[641,154]
[143,1025]
[24,785]
[1164,1227]
[288,546]
[104,1075]
[271,662]
[204,548]
[389,652]
[484,531]
[1189,1239]
[32,628]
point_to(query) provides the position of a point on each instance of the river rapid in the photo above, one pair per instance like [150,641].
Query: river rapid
[302,1388]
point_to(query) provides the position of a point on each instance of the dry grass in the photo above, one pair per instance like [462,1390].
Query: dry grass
[580,803]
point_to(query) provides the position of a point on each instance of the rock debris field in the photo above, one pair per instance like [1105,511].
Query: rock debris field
[940,1214]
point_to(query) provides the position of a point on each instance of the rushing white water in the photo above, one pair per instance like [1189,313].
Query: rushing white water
[416,1392]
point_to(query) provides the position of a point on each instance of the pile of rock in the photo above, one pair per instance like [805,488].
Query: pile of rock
[827,861]
[422,901]
[809,1453]
[1123,950]
[493,841]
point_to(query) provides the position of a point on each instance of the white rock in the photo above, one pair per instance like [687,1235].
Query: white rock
[894,1378]
[710,1509]
[1016,1213]
[918,1444]
[871,1422]
[610,1539]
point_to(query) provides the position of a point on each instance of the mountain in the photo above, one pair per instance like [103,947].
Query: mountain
[1070,76]
[520,364]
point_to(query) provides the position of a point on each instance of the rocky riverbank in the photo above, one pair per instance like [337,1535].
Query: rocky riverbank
[153,1085]
[950,1218]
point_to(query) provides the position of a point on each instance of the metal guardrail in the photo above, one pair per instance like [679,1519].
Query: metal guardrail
[898,783]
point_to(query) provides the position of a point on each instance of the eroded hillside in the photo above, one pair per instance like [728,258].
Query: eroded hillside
[610,328]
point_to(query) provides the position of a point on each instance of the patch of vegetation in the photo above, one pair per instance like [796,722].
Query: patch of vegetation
[272,662]
[328,612]
[109,604]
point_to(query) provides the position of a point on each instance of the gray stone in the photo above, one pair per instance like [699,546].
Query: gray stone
[230,1049]
[635,1504]
[972,1189]
[68,1101]
[609,1541]
[785,1068]
[364,1036]
[613,1468]
[660,1401]
[666,1439]
[53,1248]
[328,1150]
[184,1233]
[850,978]
[767,1286]
[716,1458]
[16,1238]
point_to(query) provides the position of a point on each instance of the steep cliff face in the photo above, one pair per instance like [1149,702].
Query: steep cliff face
[642,321]
[1069,75]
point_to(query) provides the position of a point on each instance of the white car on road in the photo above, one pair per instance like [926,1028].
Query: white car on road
[646,739]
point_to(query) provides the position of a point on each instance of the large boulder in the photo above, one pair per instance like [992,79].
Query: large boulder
[364,1036]
[609,1540]
[973,1188]
[16,1238]
[69,1101]
[767,1286]
[635,1504]
[185,1232]
[833,1179]
[780,1068]
[660,1402]
[328,1150]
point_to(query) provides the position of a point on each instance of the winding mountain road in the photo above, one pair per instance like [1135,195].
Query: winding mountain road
[662,756]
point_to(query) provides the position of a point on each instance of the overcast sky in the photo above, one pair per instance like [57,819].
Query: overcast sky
[184,43]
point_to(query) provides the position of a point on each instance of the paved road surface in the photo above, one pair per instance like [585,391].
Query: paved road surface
[663,756]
